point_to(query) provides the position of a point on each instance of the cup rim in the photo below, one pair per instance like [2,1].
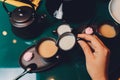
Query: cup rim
[42,40]
[63,35]
[64,32]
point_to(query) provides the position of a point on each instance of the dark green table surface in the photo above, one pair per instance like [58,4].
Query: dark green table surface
[75,68]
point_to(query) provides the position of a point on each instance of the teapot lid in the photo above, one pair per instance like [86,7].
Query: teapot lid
[22,14]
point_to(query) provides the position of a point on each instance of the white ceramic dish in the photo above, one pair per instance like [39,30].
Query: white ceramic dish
[114,10]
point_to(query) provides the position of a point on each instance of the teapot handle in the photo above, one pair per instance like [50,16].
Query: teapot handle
[6,9]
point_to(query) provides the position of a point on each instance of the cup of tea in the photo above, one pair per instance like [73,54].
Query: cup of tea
[47,49]
[108,29]
[66,41]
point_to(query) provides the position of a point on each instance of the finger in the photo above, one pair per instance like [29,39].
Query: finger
[95,44]
[86,49]
[105,47]
[99,41]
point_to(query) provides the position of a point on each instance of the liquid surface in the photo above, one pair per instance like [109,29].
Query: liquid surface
[107,31]
[47,49]
[63,28]
[67,42]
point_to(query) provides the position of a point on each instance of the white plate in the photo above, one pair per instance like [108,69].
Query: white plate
[114,10]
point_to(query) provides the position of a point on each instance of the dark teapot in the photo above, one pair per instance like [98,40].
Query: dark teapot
[26,23]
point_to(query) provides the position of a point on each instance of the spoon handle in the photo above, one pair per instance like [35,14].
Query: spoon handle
[22,74]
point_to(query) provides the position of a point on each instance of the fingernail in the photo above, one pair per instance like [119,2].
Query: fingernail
[78,39]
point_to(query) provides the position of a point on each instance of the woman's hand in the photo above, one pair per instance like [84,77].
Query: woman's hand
[96,54]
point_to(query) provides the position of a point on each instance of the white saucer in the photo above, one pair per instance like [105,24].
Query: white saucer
[114,10]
